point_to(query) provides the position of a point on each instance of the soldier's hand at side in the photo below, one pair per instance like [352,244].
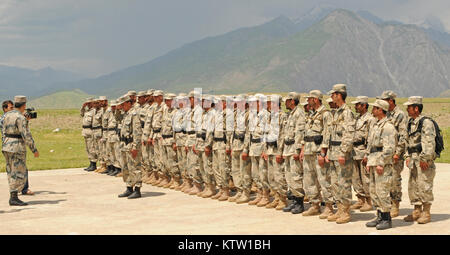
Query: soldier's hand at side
[321,160]
[207,151]
[194,150]
[396,158]
[302,154]
[326,159]
[228,151]
[380,170]
[423,165]
[265,157]
[186,149]
[407,162]
[279,159]
[244,156]
[36,154]
[341,161]
[364,161]
[368,169]
[296,157]
[134,153]
[174,146]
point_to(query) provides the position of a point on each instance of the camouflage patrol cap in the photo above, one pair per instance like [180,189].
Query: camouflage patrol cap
[338,88]
[131,93]
[158,93]
[102,98]
[414,100]
[182,94]
[150,92]
[381,104]
[89,100]
[169,96]
[125,99]
[194,93]
[315,94]
[113,103]
[292,95]
[388,94]
[361,100]
[252,99]
[20,99]
[142,93]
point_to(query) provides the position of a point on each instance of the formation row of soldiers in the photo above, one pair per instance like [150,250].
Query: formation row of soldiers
[206,145]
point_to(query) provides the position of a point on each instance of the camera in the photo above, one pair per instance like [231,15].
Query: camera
[30,113]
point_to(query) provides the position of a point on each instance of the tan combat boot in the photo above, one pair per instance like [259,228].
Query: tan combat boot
[225,194]
[271,193]
[305,199]
[313,210]
[257,199]
[265,198]
[169,183]
[164,182]
[211,191]
[152,178]
[254,188]
[158,179]
[119,174]
[367,205]
[345,215]
[176,184]
[196,188]
[244,197]
[395,208]
[336,215]
[358,204]
[218,194]
[235,197]
[188,186]
[231,184]
[327,212]
[275,201]
[282,203]
[425,216]
[415,215]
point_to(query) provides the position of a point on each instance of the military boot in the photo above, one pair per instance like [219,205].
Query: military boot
[116,171]
[235,197]
[271,193]
[196,188]
[345,215]
[305,199]
[188,186]
[328,211]
[169,185]
[15,201]
[152,178]
[367,205]
[395,208]
[313,210]
[358,204]
[120,173]
[159,179]
[109,170]
[92,167]
[265,198]
[169,182]
[281,203]
[218,194]
[90,163]
[425,216]
[299,206]
[211,191]
[374,223]
[205,189]
[244,197]
[127,192]
[254,187]
[335,216]
[225,194]
[386,221]
[231,184]
[104,169]
[257,199]
[177,184]
[275,201]
[164,182]
[415,215]
[136,193]
[291,205]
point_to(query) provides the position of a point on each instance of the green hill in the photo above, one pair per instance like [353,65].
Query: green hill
[60,100]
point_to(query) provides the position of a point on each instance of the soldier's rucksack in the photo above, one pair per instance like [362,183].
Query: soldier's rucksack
[438,138]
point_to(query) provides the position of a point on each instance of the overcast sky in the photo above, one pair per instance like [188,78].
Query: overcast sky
[95,37]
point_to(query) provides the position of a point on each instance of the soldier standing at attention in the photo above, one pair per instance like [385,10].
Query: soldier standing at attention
[420,156]
[360,179]
[16,137]
[87,112]
[169,149]
[179,127]
[97,131]
[342,132]
[131,150]
[399,119]
[380,150]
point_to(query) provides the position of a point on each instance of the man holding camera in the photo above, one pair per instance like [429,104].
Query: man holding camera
[16,137]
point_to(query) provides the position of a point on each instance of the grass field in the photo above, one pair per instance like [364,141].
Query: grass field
[66,148]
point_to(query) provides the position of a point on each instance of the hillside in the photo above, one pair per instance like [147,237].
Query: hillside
[60,100]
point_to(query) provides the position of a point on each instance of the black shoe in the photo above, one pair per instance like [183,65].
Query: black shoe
[90,164]
[374,223]
[136,193]
[386,221]
[116,171]
[109,169]
[15,201]
[92,167]
[289,195]
[299,207]
[290,206]
[127,192]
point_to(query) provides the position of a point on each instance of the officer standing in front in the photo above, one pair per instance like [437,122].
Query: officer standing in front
[16,137]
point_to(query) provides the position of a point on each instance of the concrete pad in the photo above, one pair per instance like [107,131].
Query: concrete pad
[73,201]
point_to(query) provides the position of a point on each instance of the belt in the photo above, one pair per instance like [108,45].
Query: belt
[190,132]
[126,140]
[13,136]
[317,139]
[239,137]
[110,129]
[376,149]
[87,126]
[167,136]
[274,143]
[156,130]
[201,135]
[417,148]
[177,132]
[335,143]
[361,142]
[219,139]
[289,142]
[255,140]
[99,127]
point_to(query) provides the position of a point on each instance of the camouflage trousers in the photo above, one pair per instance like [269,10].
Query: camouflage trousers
[317,180]
[181,161]
[420,183]
[90,148]
[360,179]
[241,171]
[293,171]
[396,188]
[275,174]
[98,149]
[342,186]
[193,166]
[16,170]
[145,160]
[132,169]
[256,167]
[220,168]
[113,153]
[206,169]
[380,185]
[104,151]
[169,156]
[158,156]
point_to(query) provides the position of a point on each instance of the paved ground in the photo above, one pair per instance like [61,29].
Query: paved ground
[73,201]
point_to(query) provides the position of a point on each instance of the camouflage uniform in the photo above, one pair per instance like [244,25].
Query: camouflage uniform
[179,127]
[220,139]
[87,133]
[105,135]
[155,134]
[169,155]
[241,169]
[113,142]
[16,137]
[204,139]
[97,134]
[193,125]
[143,114]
